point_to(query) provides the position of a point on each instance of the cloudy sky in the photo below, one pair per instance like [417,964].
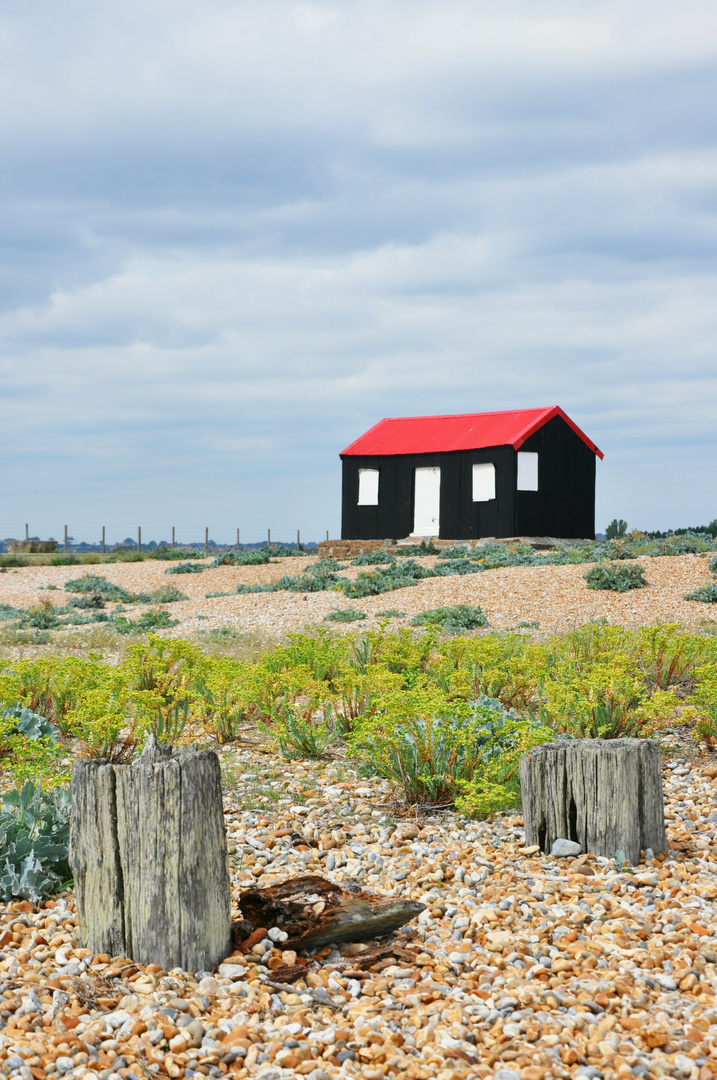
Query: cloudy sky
[233,235]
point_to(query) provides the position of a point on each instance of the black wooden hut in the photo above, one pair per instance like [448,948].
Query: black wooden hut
[527,472]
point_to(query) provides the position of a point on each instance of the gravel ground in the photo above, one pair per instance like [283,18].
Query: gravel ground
[522,967]
[554,596]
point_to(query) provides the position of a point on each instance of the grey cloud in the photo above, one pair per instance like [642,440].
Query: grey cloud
[236,236]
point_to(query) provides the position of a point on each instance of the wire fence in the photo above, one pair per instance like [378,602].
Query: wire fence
[68,544]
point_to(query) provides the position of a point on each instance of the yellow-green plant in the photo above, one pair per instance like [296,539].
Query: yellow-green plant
[228,693]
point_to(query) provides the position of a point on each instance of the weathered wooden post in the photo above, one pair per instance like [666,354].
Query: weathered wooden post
[604,794]
[148,855]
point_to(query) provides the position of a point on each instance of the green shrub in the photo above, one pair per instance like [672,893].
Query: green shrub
[373,558]
[255,557]
[458,619]
[149,620]
[301,736]
[457,566]
[65,559]
[397,576]
[127,555]
[433,758]
[417,549]
[707,594]
[493,556]
[713,565]
[88,602]
[345,615]
[163,551]
[457,551]
[41,617]
[8,612]
[99,586]
[616,529]
[676,545]
[167,594]
[391,613]
[186,568]
[615,578]
[34,841]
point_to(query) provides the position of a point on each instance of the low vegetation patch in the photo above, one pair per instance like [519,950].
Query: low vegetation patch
[443,712]
[345,615]
[615,578]
[706,594]
[457,619]
[34,841]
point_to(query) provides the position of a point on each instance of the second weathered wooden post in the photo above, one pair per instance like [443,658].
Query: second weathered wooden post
[148,854]
[604,794]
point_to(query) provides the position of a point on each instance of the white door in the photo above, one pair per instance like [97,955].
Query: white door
[427,502]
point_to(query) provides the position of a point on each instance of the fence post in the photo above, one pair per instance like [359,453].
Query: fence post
[237,540]
[298,540]
[27,531]
[206,540]
[173,544]
[139,538]
[327,534]
[65,538]
[103,540]
[268,537]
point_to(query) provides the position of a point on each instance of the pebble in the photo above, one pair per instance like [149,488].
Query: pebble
[563,848]
[524,968]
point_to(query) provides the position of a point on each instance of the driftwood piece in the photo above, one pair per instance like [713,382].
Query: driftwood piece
[148,854]
[316,912]
[605,794]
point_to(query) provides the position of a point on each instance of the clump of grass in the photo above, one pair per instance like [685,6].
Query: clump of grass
[128,555]
[456,619]
[345,615]
[706,594]
[391,613]
[14,636]
[609,576]
[13,560]
[186,568]
[65,559]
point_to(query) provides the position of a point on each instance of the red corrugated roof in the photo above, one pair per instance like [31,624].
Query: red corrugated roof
[468,431]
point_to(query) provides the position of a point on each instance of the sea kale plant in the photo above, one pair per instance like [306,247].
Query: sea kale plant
[610,576]
[34,842]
